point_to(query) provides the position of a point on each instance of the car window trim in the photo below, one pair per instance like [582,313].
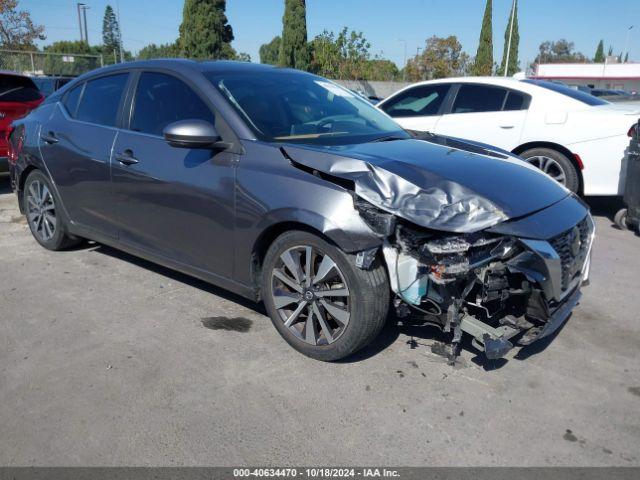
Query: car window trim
[441,108]
[84,87]
[227,133]
[525,104]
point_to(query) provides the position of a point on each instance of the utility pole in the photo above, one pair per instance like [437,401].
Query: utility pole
[119,32]
[79,5]
[626,43]
[84,17]
[404,68]
[506,61]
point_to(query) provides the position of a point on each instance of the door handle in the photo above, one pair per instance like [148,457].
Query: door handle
[126,158]
[49,138]
[506,127]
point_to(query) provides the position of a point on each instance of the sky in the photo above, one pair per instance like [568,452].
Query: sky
[387,24]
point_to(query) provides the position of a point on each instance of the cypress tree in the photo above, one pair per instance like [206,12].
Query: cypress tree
[515,41]
[484,57]
[599,57]
[110,32]
[205,32]
[294,50]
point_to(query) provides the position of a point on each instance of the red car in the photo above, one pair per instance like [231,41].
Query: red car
[18,96]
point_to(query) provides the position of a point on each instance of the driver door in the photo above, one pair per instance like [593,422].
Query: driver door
[176,203]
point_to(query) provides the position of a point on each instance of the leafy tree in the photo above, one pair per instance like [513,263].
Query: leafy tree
[599,57]
[71,63]
[205,32]
[294,50]
[515,41]
[269,52]
[166,50]
[441,58]
[242,57]
[17,30]
[560,51]
[110,34]
[484,57]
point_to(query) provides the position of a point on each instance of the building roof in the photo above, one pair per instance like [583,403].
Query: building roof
[595,71]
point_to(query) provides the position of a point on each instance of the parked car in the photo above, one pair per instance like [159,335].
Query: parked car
[18,96]
[48,85]
[574,137]
[287,188]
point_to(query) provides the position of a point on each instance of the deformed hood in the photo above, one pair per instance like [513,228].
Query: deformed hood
[443,184]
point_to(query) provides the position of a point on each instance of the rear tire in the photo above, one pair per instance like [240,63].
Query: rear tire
[44,216]
[335,312]
[620,219]
[554,164]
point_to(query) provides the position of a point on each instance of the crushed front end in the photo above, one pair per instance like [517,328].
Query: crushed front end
[507,285]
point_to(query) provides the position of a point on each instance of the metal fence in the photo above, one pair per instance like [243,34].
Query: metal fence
[46,63]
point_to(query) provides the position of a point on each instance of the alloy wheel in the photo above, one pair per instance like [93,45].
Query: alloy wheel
[549,166]
[310,295]
[41,211]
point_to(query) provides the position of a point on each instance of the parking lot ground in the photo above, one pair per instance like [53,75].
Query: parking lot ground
[109,360]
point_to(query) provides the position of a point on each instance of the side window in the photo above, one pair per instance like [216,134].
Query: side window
[478,98]
[71,99]
[163,99]
[516,101]
[101,100]
[418,101]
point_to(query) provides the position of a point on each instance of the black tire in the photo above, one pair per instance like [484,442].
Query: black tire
[620,219]
[568,170]
[59,238]
[367,300]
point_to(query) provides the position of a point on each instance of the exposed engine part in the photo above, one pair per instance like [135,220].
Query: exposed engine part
[488,286]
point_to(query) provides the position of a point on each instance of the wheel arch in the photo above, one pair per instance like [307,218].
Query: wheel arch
[558,148]
[22,179]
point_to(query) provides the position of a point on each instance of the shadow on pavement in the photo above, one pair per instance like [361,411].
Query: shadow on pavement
[604,206]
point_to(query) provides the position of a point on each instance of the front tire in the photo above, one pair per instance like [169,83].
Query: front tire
[44,217]
[319,301]
[554,164]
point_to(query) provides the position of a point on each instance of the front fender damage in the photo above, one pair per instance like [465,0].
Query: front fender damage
[445,264]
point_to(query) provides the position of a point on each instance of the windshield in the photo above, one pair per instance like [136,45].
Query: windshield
[14,88]
[289,106]
[569,92]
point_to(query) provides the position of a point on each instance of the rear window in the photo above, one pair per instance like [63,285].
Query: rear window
[101,100]
[578,95]
[15,88]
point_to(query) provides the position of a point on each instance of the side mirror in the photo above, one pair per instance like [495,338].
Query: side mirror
[191,134]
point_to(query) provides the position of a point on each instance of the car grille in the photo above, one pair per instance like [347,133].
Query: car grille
[572,247]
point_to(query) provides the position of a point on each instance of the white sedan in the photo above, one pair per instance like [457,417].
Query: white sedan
[576,138]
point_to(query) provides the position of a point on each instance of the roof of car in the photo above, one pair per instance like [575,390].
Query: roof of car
[182,64]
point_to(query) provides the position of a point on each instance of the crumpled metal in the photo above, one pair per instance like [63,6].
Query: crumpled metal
[437,203]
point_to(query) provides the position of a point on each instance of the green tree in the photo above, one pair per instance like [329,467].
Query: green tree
[205,32]
[484,57]
[599,57]
[166,50]
[17,30]
[110,35]
[441,58]
[512,62]
[242,57]
[294,50]
[560,51]
[269,52]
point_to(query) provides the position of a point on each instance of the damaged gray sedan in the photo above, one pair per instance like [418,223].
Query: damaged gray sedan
[287,188]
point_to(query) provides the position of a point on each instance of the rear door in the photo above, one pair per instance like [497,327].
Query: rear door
[76,145]
[486,113]
[418,108]
[177,203]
